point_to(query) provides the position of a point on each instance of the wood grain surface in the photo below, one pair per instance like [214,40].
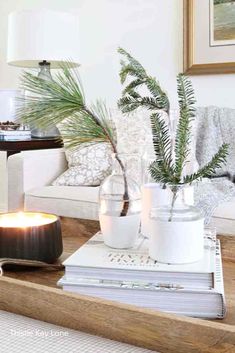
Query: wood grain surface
[33,293]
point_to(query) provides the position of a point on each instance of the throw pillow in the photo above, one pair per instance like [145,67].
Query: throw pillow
[88,165]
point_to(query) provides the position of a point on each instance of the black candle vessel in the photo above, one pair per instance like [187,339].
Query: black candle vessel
[30,236]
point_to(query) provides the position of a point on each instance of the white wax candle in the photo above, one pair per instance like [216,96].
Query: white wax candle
[25,219]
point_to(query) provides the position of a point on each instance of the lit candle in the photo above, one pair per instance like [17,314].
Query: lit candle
[25,219]
[30,235]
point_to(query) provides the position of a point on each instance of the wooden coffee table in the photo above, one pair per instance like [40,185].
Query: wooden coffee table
[34,293]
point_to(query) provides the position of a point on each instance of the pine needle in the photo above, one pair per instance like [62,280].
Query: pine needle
[62,101]
[166,169]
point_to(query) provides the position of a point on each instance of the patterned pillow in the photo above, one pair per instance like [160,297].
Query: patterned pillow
[88,166]
[134,134]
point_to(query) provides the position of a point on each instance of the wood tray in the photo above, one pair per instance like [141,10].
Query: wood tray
[34,293]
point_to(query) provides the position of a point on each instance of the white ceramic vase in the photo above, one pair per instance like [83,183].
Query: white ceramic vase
[153,195]
[177,242]
[176,232]
[119,206]
[120,232]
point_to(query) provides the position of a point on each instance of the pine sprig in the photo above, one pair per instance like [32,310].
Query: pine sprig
[131,98]
[62,100]
[133,68]
[187,115]
[166,169]
[159,173]
[210,168]
[162,145]
[133,101]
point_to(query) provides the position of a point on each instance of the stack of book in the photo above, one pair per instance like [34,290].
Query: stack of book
[131,277]
[11,135]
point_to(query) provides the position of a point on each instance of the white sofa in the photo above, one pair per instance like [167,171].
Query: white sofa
[30,174]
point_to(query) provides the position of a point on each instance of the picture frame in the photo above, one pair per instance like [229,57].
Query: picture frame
[204,54]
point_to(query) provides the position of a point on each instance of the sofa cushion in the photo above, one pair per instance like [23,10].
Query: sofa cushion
[67,201]
[226,210]
[88,165]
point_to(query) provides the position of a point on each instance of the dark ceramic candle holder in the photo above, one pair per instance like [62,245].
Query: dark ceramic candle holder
[37,236]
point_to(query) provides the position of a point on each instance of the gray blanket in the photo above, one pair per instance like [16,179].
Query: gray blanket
[214,126]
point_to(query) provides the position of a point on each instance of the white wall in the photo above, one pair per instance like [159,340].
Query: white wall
[150,29]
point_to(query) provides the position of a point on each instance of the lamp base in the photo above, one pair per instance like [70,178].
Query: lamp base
[52,132]
[45,134]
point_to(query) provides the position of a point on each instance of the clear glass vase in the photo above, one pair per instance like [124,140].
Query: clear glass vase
[176,230]
[119,206]
[52,132]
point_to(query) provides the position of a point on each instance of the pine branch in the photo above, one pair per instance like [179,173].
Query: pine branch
[133,68]
[131,99]
[187,114]
[131,102]
[158,174]
[52,102]
[161,169]
[161,139]
[209,169]
[62,101]
[133,85]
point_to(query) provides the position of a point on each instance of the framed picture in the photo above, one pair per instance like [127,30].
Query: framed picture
[209,36]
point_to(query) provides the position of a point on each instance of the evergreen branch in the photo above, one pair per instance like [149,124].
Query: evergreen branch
[62,99]
[161,139]
[161,168]
[134,69]
[160,174]
[209,169]
[187,114]
[131,102]
[132,85]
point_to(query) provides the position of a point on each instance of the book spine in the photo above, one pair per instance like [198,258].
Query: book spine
[121,284]
[218,278]
[15,133]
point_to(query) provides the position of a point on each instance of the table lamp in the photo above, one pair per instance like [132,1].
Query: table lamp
[44,39]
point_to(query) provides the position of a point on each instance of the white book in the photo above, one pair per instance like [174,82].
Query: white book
[208,303]
[94,260]
[15,132]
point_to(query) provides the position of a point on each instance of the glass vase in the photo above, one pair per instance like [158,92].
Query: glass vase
[119,206]
[53,131]
[176,230]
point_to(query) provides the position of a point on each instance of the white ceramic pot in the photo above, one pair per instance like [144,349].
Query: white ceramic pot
[153,195]
[120,232]
[176,242]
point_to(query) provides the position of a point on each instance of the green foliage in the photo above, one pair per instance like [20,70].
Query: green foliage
[210,168]
[168,166]
[62,101]
[187,114]
[131,98]
[216,2]
[161,168]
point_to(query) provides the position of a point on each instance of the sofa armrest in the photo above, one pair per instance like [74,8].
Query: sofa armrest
[32,169]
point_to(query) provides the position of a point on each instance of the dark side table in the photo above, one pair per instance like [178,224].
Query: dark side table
[16,146]
[8,148]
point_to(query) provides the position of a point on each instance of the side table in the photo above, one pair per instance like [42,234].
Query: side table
[16,146]
[8,148]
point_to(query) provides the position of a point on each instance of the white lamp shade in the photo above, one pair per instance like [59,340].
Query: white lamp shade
[34,36]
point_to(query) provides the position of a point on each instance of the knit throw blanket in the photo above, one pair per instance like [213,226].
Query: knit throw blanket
[214,126]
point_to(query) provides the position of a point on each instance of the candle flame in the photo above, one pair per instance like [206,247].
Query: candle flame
[25,219]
